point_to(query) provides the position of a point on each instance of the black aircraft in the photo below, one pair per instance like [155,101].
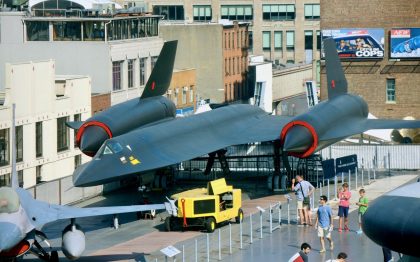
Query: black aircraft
[393,221]
[143,134]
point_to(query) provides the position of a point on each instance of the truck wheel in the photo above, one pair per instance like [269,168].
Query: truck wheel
[210,224]
[240,216]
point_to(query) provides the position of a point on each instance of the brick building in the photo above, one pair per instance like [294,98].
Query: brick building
[182,91]
[391,87]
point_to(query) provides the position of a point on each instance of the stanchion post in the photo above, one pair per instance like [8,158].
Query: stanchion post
[335,187]
[230,238]
[328,188]
[208,247]
[368,173]
[240,232]
[196,250]
[363,178]
[356,173]
[220,247]
[320,188]
[288,211]
[271,218]
[349,180]
[183,253]
[250,228]
[374,170]
[279,213]
[261,225]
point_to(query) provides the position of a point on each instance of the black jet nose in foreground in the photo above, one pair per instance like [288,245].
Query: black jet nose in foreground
[92,139]
[298,139]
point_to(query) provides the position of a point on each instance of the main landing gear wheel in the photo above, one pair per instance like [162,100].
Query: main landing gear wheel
[240,216]
[210,225]
[54,256]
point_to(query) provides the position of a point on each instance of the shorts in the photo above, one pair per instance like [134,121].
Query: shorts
[360,218]
[324,232]
[300,204]
[343,211]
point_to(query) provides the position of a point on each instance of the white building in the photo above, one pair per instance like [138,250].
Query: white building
[117,52]
[44,102]
[261,81]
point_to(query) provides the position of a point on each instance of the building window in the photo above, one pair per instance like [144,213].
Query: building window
[175,98]
[278,40]
[62,134]
[4,180]
[38,139]
[312,11]
[77,118]
[257,95]
[153,61]
[77,161]
[4,147]
[116,75]
[67,31]
[130,69]
[202,13]
[290,40]
[390,90]
[191,94]
[37,31]
[250,41]
[142,71]
[236,12]
[267,40]
[169,12]
[38,174]
[20,177]
[309,40]
[318,40]
[184,95]
[279,12]
[19,143]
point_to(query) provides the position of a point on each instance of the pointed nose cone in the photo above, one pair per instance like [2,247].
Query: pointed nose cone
[298,139]
[10,235]
[81,176]
[92,139]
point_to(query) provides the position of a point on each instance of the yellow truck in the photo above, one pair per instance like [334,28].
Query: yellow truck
[206,207]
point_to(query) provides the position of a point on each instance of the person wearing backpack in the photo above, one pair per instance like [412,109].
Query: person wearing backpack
[303,190]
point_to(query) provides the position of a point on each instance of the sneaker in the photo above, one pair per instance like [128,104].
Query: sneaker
[332,246]
[346,228]
[322,251]
[340,230]
[300,225]
[305,224]
[359,232]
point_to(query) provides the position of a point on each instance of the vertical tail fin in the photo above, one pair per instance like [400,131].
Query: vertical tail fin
[161,75]
[337,83]
[14,178]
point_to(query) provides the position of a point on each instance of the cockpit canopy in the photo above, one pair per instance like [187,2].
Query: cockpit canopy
[9,200]
[108,148]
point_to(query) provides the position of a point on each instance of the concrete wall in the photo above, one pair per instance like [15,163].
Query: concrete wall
[290,82]
[32,87]
[372,85]
[200,47]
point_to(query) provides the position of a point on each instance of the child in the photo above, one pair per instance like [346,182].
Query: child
[324,217]
[363,205]
[343,209]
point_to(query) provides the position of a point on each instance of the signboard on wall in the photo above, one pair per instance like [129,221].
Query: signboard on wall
[405,43]
[346,164]
[357,43]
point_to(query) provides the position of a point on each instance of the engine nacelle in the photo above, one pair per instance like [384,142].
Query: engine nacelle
[73,241]
[120,119]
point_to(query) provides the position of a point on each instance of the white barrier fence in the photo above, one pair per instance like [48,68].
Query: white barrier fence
[380,156]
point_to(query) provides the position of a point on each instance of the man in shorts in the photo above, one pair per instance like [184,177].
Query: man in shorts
[304,190]
[324,218]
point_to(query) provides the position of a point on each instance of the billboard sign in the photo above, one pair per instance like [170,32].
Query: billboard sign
[346,164]
[357,43]
[405,43]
